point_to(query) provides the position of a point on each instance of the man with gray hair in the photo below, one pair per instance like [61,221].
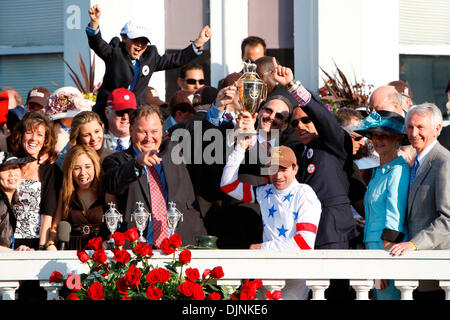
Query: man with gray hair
[428,213]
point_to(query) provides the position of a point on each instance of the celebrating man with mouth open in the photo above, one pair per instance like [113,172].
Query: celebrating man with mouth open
[130,62]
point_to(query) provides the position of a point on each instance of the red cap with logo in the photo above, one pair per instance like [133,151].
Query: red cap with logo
[121,99]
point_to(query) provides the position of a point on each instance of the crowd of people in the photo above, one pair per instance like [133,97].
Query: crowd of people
[308,179]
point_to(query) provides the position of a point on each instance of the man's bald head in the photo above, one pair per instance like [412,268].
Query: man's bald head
[386,98]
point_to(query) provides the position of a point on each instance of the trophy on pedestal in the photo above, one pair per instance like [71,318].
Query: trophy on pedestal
[173,216]
[252,90]
[112,217]
[141,216]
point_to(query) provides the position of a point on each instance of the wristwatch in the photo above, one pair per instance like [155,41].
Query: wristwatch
[292,84]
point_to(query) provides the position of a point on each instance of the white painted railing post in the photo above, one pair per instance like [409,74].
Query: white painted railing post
[362,288]
[445,285]
[51,288]
[8,289]
[318,288]
[272,285]
[406,288]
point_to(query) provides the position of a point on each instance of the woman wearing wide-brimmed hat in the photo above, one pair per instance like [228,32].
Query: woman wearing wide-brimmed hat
[385,201]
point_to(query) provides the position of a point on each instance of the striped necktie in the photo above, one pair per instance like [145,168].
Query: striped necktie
[159,207]
[413,172]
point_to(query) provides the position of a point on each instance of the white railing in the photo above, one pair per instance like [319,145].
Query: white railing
[361,267]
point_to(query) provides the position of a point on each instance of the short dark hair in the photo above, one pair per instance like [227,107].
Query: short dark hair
[447,89]
[345,115]
[190,66]
[252,41]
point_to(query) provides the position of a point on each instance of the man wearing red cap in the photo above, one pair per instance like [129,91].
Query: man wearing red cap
[121,102]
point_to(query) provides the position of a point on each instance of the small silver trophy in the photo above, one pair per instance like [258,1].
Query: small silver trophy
[141,217]
[112,217]
[173,216]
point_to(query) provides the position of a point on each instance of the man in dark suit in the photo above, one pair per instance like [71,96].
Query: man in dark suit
[129,175]
[131,62]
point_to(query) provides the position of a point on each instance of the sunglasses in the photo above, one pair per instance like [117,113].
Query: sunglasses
[121,113]
[304,120]
[356,138]
[194,81]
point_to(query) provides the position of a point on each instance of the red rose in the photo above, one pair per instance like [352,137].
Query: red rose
[95,243]
[143,249]
[185,256]
[95,291]
[276,295]
[132,277]
[175,241]
[99,256]
[197,293]
[122,286]
[166,248]
[56,277]
[154,293]
[132,234]
[192,274]
[119,238]
[214,296]
[206,273]
[158,275]
[163,275]
[82,255]
[125,298]
[73,282]
[122,256]
[217,273]
[245,296]
[186,288]
[72,296]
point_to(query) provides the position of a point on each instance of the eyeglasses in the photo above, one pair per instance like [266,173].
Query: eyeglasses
[278,115]
[304,120]
[194,81]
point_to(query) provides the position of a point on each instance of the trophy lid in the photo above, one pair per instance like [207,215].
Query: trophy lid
[173,211]
[249,73]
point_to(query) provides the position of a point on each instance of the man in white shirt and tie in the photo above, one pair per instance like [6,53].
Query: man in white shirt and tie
[121,102]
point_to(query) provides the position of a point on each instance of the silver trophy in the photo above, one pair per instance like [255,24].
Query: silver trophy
[141,217]
[173,216]
[251,89]
[112,217]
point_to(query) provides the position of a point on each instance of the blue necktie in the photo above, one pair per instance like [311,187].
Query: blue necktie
[119,145]
[413,172]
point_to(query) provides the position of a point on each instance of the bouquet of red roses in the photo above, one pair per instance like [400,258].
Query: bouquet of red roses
[128,276]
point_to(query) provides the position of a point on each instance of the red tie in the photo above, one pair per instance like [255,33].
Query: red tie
[159,208]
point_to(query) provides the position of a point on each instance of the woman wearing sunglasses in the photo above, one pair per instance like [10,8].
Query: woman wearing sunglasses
[385,201]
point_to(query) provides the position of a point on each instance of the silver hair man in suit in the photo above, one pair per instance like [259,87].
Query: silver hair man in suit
[428,214]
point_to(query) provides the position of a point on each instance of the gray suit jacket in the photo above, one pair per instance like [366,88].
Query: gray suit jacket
[429,202]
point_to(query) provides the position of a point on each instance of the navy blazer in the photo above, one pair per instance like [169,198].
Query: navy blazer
[327,167]
[119,72]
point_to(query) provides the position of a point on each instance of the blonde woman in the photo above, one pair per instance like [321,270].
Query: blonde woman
[82,200]
[87,129]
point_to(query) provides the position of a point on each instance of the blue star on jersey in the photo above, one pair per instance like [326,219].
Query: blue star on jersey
[268,193]
[288,197]
[295,215]
[282,231]
[272,211]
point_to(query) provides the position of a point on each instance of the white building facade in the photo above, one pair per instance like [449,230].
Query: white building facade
[377,41]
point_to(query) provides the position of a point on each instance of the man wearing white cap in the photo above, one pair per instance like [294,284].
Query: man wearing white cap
[131,62]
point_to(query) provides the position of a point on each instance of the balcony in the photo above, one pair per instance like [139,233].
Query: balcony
[361,267]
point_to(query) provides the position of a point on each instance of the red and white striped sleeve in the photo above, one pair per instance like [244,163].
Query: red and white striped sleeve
[230,183]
